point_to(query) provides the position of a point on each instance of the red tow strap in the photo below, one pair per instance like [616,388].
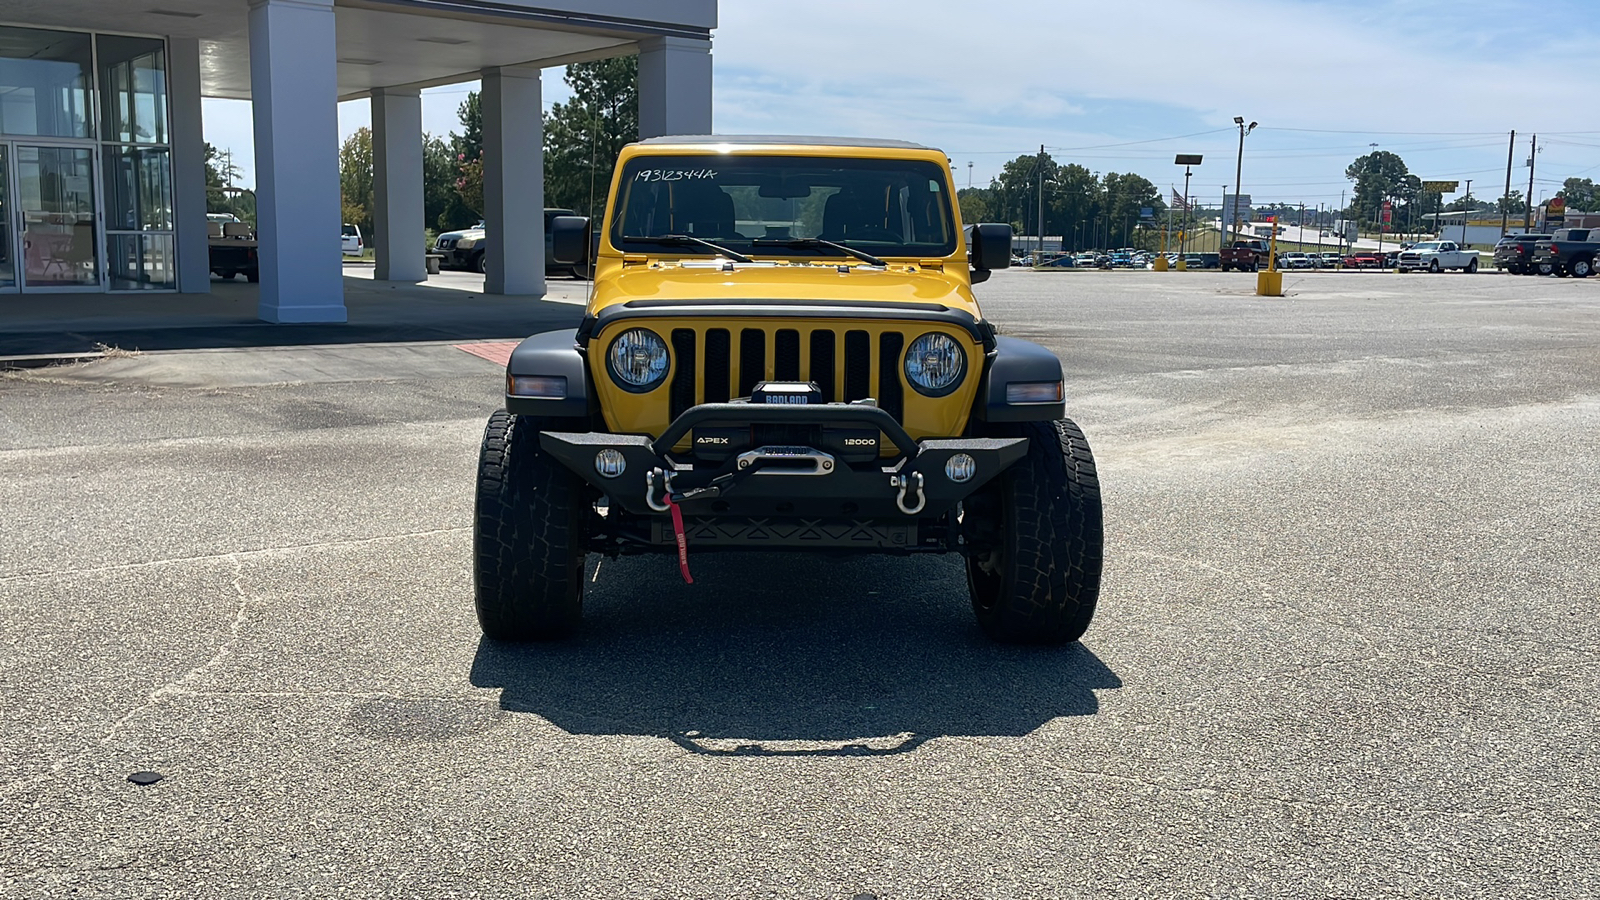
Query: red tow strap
[683,539]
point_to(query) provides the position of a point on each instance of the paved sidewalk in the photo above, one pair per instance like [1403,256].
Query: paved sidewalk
[36,330]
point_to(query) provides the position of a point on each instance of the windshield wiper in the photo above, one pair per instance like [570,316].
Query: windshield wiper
[684,240]
[798,243]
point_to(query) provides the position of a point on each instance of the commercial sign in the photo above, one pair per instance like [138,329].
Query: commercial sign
[1388,212]
[1147,212]
[1235,208]
[1555,212]
[1441,187]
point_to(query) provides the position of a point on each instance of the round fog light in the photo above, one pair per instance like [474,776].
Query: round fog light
[610,463]
[960,467]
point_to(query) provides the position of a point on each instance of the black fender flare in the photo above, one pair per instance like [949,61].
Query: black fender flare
[551,354]
[1016,360]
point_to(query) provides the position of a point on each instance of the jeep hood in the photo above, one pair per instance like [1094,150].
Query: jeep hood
[820,283]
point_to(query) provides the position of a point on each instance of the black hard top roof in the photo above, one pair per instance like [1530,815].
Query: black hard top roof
[768,139]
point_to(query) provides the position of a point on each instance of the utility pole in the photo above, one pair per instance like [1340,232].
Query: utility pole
[1466,212]
[1505,204]
[1038,256]
[1238,170]
[1527,207]
[1341,221]
[969,173]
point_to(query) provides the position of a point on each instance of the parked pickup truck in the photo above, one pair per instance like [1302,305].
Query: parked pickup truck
[1436,256]
[1570,251]
[1514,252]
[1244,256]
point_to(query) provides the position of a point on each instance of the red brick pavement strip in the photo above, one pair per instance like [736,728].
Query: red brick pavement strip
[494,351]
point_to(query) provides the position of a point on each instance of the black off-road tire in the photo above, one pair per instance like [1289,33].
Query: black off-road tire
[480,264]
[253,277]
[1036,539]
[1582,268]
[529,536]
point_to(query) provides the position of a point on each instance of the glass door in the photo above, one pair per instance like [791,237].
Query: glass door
[54,197]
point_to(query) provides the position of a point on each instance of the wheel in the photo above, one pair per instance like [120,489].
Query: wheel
[529,535]
[254,277]
[1402,270]
[1472,266]
[1433,267]
[480,264]
[1582,268]
[1545,268]
[227,274]
[1035,539]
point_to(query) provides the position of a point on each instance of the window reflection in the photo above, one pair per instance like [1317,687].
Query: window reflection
[44,83]
[133,78]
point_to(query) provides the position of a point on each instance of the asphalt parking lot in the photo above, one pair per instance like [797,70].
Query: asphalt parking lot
[1347,644]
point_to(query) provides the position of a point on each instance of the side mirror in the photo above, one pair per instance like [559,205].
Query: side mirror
[569,240]
[989,246]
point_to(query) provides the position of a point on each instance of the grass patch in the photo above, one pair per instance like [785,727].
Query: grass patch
[111,351]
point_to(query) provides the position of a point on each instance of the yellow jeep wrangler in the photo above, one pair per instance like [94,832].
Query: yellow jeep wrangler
[783,352]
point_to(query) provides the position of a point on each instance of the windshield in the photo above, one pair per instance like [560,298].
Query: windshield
[755,204]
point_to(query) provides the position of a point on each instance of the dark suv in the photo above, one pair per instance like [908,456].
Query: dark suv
[1514,252]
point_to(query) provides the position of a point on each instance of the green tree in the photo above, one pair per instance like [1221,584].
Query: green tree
[220,172]
[583,136]
[1379,176]
[438,179]
[976,205]
[1511,203]
[355,179]
[1581,194]
[464,177]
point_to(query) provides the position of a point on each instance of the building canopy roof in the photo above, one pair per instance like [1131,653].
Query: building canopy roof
[397,43]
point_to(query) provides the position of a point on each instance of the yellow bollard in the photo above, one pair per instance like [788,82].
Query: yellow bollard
[1183,266]
[1160,265]
[1270,282]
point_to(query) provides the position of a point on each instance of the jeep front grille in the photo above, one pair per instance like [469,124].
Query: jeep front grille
[714,365]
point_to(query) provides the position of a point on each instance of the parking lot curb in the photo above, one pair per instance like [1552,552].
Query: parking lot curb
[46,360]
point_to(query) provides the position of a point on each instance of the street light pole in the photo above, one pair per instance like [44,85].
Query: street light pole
[1464,213]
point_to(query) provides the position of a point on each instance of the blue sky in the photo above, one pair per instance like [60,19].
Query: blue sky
[1440,83]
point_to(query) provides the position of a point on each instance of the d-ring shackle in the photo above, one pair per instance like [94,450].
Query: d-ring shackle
[902,482]
[650,489]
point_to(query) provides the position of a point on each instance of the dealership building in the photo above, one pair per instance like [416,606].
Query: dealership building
[102,176]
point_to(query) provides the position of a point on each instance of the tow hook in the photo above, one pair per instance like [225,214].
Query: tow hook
[902,482]
[650,489]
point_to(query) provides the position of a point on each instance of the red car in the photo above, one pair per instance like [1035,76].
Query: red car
[1362,259]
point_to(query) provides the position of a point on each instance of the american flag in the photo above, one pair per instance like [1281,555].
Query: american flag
[1177,201]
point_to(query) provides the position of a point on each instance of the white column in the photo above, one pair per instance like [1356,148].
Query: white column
[294,96]
[513,181]
[674,87]
[397,185]
[188,166]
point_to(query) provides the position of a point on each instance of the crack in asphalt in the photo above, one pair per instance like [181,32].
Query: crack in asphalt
[159,693]
[212,557]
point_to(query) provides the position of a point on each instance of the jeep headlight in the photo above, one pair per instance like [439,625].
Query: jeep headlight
[934,364]
[638,360]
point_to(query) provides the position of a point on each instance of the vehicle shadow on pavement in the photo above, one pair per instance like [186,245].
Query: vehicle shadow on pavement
[773,654]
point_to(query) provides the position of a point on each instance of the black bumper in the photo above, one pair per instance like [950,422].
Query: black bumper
[791,481]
